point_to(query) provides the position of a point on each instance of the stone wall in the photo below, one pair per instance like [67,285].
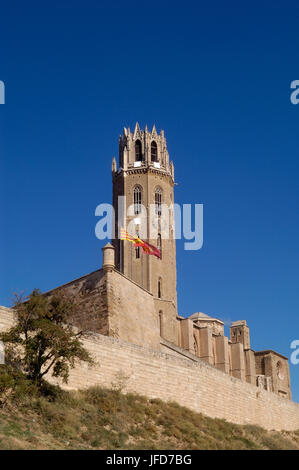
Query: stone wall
[187,380]
[132,315]
[6,318]
[179,376]
[113,305]
[90,294]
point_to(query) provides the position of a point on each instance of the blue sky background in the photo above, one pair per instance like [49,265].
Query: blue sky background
[216,77]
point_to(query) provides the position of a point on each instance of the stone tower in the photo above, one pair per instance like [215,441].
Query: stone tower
[239,333]
[146,178]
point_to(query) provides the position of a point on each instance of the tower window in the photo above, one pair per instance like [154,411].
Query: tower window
[137,199]
[158,201]
[154,151]
[159,288]
[137,248]
[159,243]
[138,151]
[161,322]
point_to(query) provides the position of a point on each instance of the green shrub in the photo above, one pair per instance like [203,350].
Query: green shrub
[14,386]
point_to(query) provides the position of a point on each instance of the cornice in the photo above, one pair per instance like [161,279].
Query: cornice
[143,170]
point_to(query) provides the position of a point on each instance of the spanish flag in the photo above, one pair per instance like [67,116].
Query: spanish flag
[147,248]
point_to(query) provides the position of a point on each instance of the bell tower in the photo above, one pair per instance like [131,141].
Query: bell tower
[145,180]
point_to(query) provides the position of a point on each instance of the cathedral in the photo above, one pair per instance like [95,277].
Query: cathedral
[132,298]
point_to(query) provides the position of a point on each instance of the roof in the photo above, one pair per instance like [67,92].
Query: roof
[270,351]
[203,316]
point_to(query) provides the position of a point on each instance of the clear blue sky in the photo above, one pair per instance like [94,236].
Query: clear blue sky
[215,76]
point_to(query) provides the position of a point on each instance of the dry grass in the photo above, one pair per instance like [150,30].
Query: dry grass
[107,419]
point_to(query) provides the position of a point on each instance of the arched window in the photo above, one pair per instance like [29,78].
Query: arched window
[159,288]
[159,244]
[138,151]
[161,322]
[137,199]
[154,151]
[158,201]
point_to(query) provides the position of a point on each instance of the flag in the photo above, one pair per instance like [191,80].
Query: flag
[125,236]
[147,248]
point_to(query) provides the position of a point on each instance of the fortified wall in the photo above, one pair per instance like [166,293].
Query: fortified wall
[126,343]
[114,305]
[179,377]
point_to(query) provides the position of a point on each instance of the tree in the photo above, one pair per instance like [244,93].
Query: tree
[43,340]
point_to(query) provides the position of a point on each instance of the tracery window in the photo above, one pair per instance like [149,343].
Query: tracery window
[137,199]
[158,201]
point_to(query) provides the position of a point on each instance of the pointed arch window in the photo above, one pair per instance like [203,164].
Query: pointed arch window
[137,199]
[158,201]
[159,288]
[154,151]
[138,151]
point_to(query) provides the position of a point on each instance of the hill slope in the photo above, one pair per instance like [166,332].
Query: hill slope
[107,419]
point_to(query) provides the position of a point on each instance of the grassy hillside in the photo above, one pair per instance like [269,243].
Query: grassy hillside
[106,419]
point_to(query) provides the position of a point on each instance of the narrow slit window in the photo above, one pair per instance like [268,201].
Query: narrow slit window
[161,323]
[159,289]
[159,244]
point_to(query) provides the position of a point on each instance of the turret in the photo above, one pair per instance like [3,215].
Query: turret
[239,333]
[108,256]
